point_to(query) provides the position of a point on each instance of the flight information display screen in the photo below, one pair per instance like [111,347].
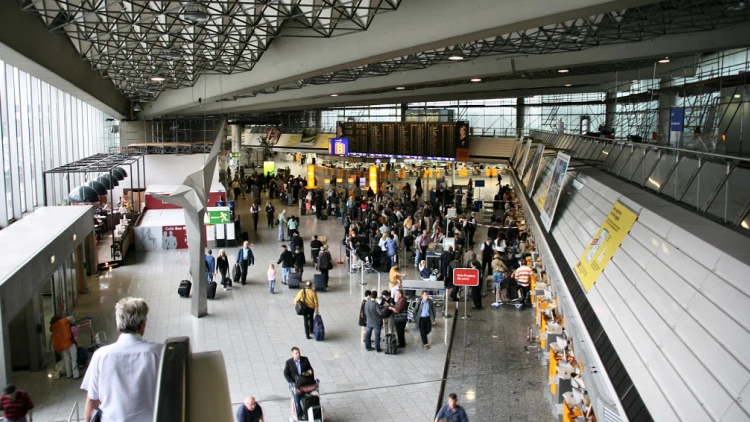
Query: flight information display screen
[420,140]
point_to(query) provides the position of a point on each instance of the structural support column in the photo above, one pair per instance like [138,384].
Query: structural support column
[196,249]
[666,102]
[520,116]
[610,110]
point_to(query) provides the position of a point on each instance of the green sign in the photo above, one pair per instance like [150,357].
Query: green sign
[235,155]
[219,217]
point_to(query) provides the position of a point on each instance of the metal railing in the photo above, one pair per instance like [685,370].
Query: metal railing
[74,410]
[711,183]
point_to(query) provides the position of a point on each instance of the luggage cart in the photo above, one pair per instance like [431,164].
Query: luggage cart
[315,413]
[85,336]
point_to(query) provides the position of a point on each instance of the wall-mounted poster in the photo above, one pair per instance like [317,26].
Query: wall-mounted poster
[536,162]
[524,159]
[515,146]
[606,241]
[462,141]
[272,135]
[549,200]
[174,237]
[517,152]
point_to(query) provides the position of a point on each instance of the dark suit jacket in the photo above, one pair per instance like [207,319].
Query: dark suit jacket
[290,368]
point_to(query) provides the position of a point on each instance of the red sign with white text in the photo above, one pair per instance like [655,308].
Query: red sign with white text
[465,277]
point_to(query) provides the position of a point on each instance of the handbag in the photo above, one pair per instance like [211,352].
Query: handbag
[300,306]
[304,380]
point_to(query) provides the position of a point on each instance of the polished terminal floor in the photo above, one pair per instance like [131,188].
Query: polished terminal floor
[255,331]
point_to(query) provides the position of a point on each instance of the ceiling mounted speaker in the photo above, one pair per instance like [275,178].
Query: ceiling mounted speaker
[119,173]
[108,181]
[83,195]
[97,186]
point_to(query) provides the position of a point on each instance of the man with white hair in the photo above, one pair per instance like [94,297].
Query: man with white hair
[121,379]
[250,411]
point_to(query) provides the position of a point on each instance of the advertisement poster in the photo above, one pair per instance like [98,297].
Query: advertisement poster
[536,163]
[462,141]
[524,159]
[269,167]
[517,152]
[549,200]
[513,150]
[606,241]
[174,237]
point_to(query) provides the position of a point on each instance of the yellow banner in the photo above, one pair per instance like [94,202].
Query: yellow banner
[607,240]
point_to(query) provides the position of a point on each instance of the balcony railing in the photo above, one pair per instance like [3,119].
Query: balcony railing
[711,183]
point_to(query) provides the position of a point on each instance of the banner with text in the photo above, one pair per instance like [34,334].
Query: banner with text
[606,241]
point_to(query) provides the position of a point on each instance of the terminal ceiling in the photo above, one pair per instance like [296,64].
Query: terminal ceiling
[193,58]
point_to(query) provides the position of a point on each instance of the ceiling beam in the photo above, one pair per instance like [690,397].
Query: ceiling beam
[418,25]
[26,44]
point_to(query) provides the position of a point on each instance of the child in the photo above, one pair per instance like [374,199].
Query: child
[271,277]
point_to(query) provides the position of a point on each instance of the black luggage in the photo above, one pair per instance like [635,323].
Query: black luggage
[319,282]
[184,289]
[324,216]
[311,407]
[236,273]
[391,344]
[211,290]
[294,280]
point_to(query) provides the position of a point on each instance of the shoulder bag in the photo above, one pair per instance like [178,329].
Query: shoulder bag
[300,306]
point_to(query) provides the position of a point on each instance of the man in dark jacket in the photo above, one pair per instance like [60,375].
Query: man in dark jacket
[299,261]
[449,280]
[325,263]
[295,242]
[488,252]
[374,321]
[293,368]
[245,258]
[445,259]
[287,262]
[315,247]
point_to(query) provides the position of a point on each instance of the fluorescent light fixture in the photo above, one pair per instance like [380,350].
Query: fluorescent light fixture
[476,79]
[334,95]
[52,259]
[158,78]
[137,108]
[744,225]
[400,87]
[455,57]
[737,96]
[664,60]
[568,84]
[654,182]
[563,71]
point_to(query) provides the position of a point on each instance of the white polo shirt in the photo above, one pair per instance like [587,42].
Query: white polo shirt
[122,376]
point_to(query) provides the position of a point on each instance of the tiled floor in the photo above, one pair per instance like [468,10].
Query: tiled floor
[255,330]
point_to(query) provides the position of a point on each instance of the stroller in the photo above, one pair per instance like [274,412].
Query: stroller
[310,403]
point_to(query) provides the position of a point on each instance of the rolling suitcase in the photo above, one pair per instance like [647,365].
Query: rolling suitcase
[319,330]
[211,290]
[184,289]
[391,344]
[311,407]
[236,273]
[294,280]
[319,282]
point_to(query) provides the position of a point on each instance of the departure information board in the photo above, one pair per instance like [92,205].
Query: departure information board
[425,140]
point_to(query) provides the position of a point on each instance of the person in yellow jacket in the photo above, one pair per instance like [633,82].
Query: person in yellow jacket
[309,297]
[64,344]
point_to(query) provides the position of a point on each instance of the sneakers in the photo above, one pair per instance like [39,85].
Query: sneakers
[426,346]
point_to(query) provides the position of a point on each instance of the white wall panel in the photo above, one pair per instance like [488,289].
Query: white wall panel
[610,295]
[703,253]
[654,222]
[725,367]
[724,294]
[678,261]
[639,338]
[718,323]
[735,413]
[677,287]
[650,321]
[627,265]
[600,306]
[711,395]
[744,399]
[674,387]
[734,272]
[668,309]
[618,280]
[650,240]
[637,252]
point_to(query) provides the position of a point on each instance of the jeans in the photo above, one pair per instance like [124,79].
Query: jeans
[271,284]
[285,274]
[393,260]
[70,355]
[368,333]
[298,405]
[281,231]
[417,253]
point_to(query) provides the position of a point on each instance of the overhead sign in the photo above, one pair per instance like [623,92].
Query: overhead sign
[220,216]
[311,176]
[466,277]
[235,155]
[677,119]
[547,202]
[338,146]
[606,241]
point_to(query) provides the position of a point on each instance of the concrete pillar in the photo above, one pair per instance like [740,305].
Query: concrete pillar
[610,110]
[666,102]
[236,138]
[520,116]
[404,107]
[196,242]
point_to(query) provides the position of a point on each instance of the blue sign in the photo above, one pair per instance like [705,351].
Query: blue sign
[677,119]
[479,183]
[338,146]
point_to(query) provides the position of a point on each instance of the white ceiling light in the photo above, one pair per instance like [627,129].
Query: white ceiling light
[736,7]
[737,96]
[563,71]
[158,78]
[334,95]
[455,57]
[137,108]
[568,84]
[664,60]
[400,87]
[476,79]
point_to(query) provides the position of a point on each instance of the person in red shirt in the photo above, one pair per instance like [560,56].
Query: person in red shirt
[16,405]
